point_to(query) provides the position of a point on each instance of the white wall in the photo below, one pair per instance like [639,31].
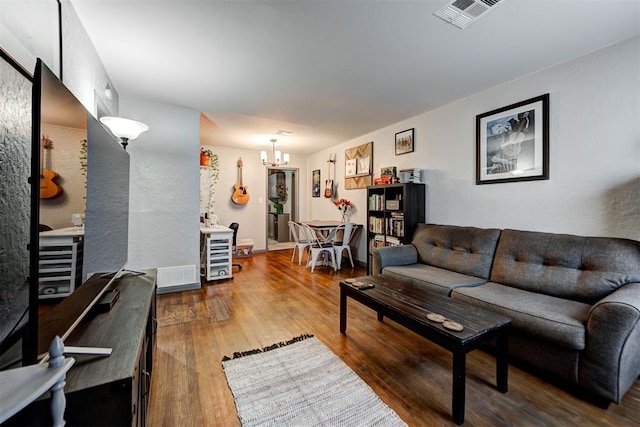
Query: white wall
[164,200]
[252,217]
[594,185]
[82,70]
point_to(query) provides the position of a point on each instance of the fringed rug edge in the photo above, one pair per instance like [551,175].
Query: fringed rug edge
[239,354]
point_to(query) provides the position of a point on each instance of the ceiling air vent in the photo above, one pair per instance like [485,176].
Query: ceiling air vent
[463,13]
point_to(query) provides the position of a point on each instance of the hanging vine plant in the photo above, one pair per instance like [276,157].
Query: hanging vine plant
[214,175]
[83,166]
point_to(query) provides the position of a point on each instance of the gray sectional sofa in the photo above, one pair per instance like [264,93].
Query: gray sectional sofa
[574,301]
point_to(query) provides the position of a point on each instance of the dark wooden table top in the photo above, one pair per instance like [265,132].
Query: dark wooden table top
[417,303]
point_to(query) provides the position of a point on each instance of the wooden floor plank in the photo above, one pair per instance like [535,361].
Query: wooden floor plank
[272,300]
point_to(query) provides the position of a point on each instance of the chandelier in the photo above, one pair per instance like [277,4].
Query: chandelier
[278,159]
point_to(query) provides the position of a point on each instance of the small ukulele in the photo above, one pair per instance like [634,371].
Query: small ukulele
[48,188]
[240,195]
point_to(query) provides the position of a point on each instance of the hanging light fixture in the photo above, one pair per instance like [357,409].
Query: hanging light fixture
[278,159]
[124,129]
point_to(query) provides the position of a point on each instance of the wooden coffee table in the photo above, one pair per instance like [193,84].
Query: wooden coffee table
[409,305]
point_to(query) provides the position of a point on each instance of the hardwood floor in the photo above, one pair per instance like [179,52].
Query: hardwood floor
[273,300]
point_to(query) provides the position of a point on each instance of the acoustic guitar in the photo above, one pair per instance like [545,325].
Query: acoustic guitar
[48,188]
[328,184]
[240,195]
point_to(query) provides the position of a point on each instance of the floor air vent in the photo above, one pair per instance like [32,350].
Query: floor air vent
[463,13]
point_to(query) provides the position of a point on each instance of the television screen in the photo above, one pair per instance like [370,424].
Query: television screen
[92,170]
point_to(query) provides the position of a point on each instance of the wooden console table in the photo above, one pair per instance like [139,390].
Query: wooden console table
[408,305]
[111,390]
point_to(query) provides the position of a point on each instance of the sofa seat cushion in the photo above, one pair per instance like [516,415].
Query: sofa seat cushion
[550,318]
[435,279]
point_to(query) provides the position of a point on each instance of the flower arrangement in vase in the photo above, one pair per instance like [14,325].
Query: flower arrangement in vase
[343,206]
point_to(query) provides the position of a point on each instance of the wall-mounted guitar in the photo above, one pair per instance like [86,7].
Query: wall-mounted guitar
[240,195]
[328,184]
[48,188]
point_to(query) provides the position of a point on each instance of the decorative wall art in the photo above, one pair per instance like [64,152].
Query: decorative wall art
[512,142]
[315,183]
[404,142]
[358,166]
[390,171]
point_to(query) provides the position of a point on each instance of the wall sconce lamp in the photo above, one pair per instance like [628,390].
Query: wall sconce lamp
[124,129]
[277,157]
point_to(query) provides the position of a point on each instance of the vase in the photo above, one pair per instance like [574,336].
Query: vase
[344,217]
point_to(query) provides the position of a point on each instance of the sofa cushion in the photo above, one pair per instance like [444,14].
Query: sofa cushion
[553,319]
[573,267]
[466,250]
[435,279]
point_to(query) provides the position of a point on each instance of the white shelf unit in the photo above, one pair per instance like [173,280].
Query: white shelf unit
[218,248]
[60,267]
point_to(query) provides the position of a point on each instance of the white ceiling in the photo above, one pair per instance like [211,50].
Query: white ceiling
[329,70]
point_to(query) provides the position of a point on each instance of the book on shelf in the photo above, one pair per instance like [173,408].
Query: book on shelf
[393,241]
[377,242]
[395,224]
[376,225]
[376,202]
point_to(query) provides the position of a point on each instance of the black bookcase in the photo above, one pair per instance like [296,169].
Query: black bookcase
[393,211]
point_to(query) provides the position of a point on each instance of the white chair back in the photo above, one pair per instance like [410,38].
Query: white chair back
[293,229]
[318,246]
[300,237]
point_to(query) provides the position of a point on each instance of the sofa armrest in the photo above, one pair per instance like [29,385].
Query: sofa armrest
[611,361]
[392,255]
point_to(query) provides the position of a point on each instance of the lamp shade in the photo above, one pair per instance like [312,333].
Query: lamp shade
[124,128]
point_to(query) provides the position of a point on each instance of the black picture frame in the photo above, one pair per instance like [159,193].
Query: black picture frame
[315,183]
[405,142]
[512,142]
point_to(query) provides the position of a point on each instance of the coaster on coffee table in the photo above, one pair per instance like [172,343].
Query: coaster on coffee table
[454,326]
[435,317]
[357,284]
[350,280]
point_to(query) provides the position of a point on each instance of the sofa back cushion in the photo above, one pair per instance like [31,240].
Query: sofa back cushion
[579,268]
[466,250]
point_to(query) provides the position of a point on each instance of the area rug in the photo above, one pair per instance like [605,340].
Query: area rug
[302,383]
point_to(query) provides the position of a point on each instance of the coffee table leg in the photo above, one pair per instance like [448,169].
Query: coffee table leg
[502,361]
[343,311]
[459,373]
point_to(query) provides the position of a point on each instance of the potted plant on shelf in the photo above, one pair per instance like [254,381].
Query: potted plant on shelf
[205,156]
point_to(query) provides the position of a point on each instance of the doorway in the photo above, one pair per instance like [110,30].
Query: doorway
[281,206]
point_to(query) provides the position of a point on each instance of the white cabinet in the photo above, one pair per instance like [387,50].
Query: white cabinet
[60,262]
[216,252]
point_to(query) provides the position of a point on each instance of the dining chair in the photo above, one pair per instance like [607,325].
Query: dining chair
[348,232]
[300,238]
[318,248]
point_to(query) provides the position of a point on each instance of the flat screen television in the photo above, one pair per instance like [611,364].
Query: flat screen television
[105,238]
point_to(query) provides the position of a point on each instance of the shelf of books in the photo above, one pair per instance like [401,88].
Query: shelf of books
[393,212]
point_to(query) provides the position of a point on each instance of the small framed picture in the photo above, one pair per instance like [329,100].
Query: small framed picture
[404,142]
[512,142]
[364,166]
[315,182]
[350,166]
